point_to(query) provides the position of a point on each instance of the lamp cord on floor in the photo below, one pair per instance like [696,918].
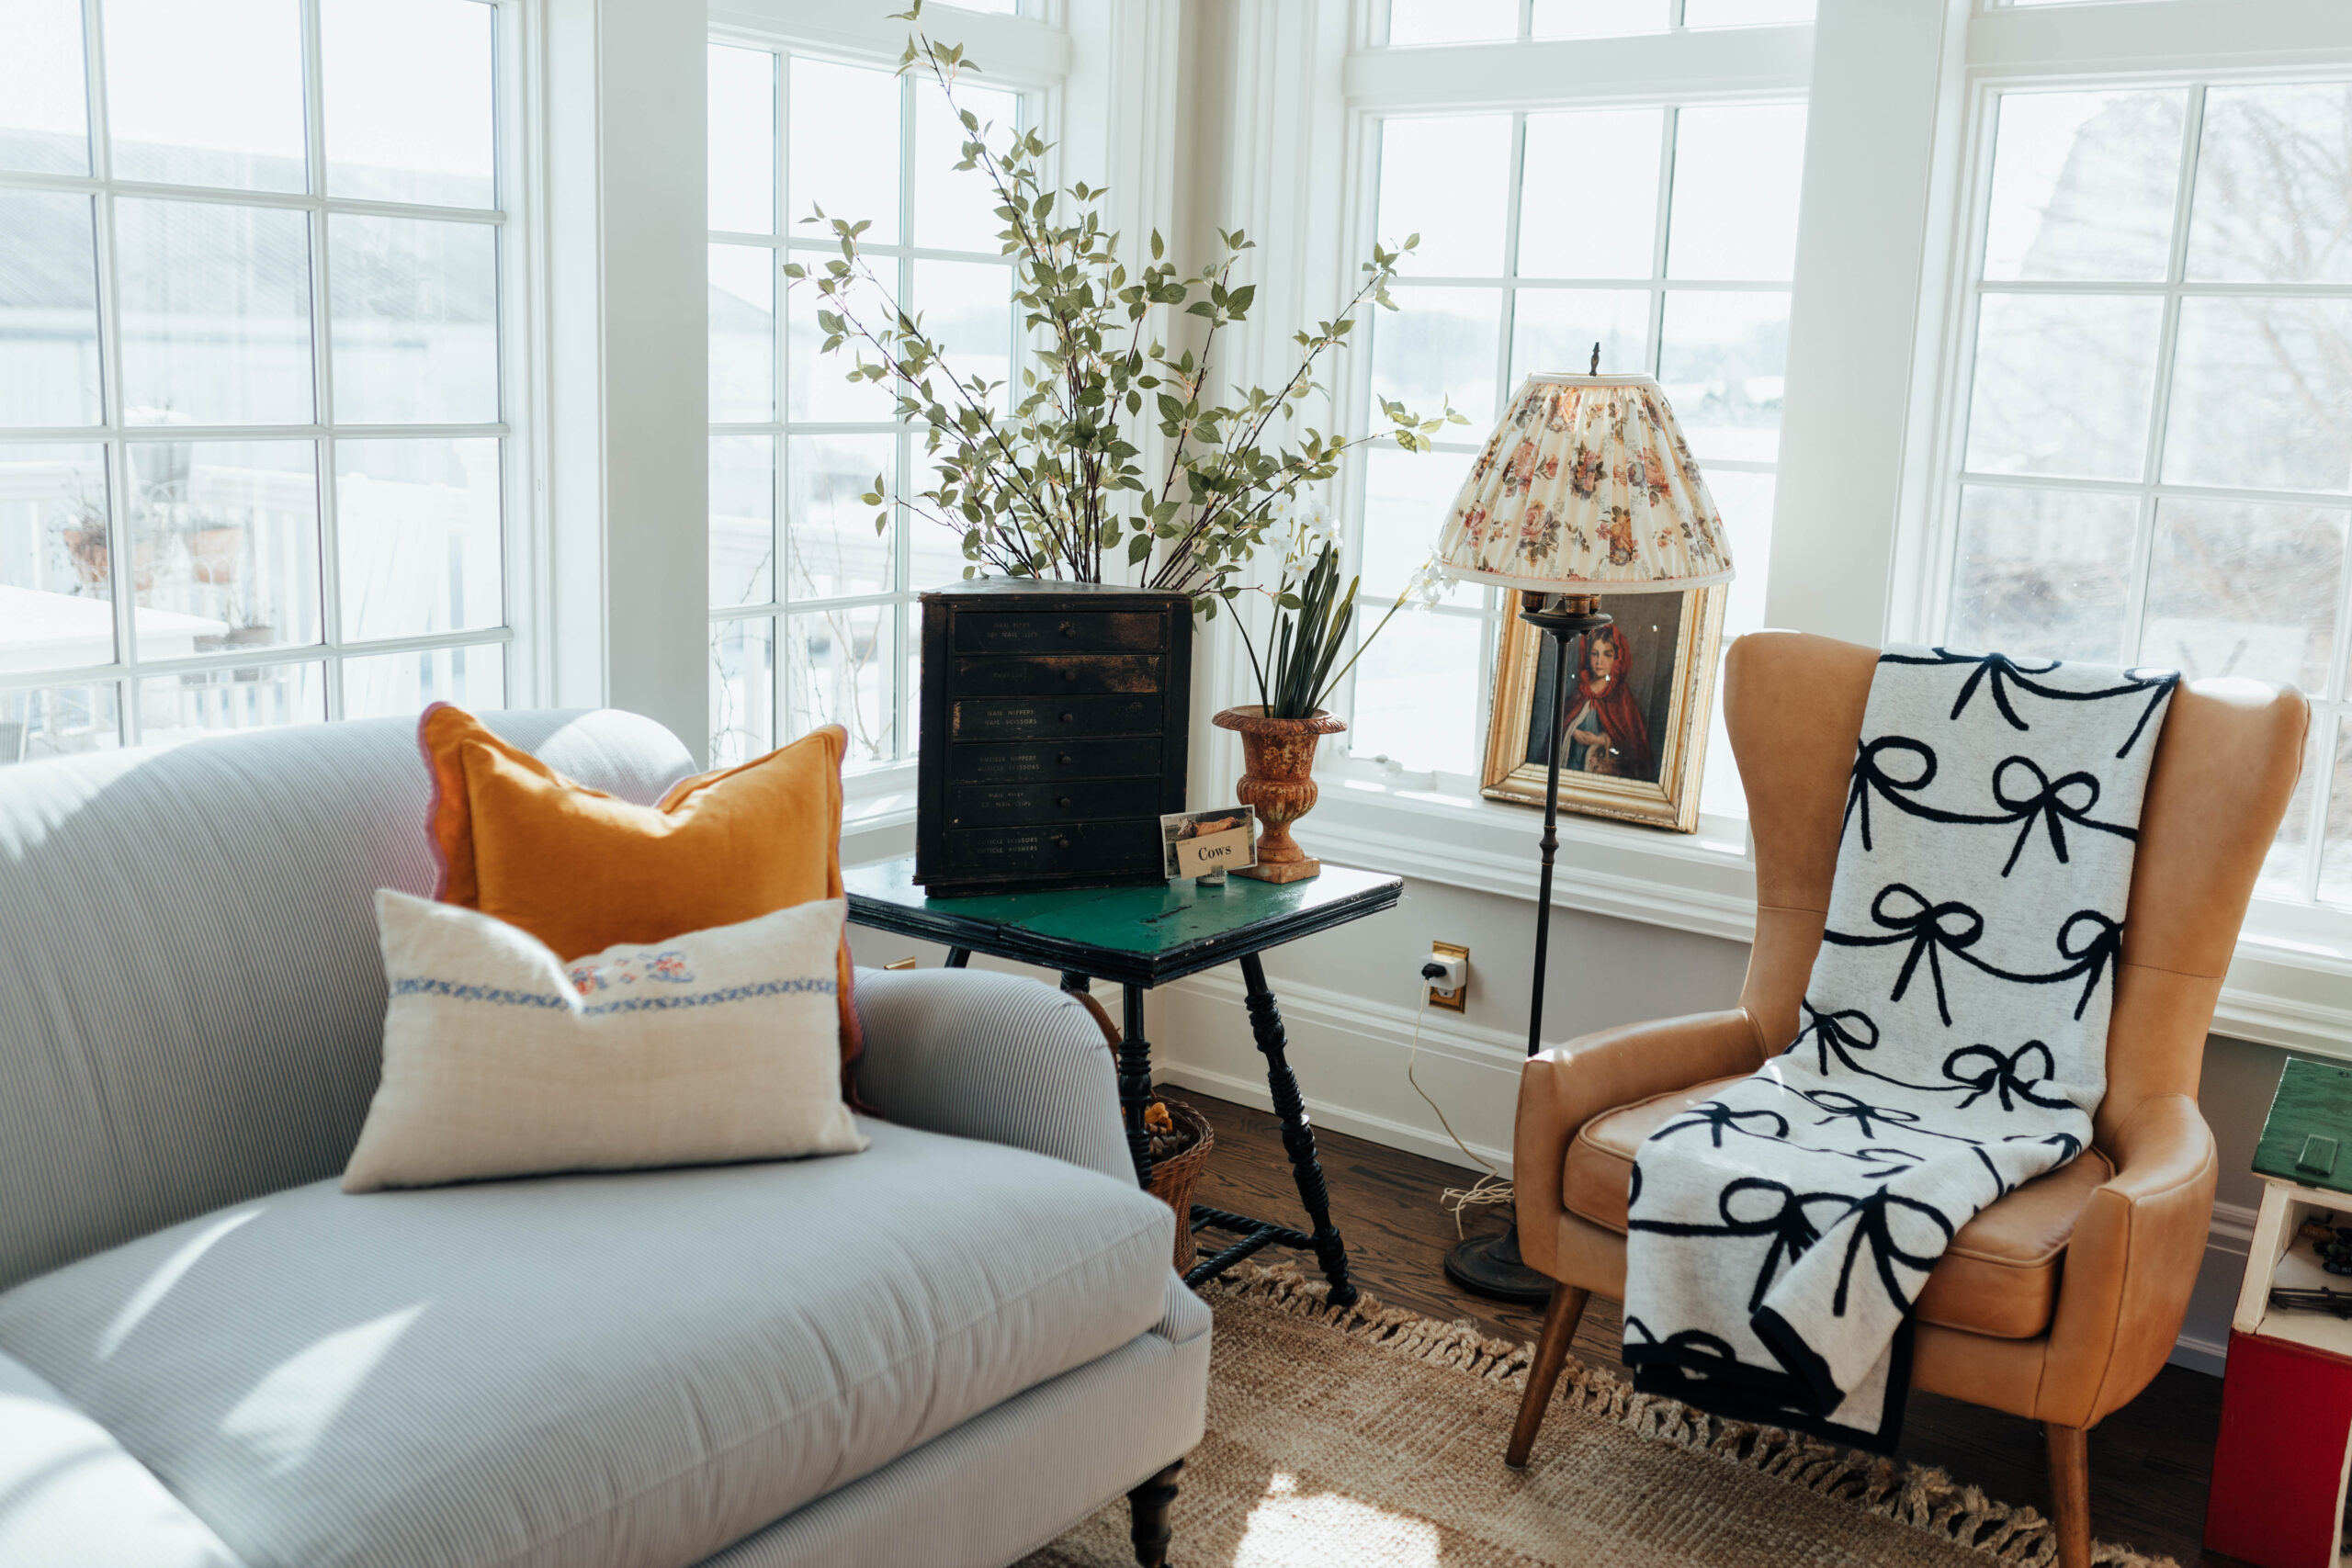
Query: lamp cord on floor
[1491,1188]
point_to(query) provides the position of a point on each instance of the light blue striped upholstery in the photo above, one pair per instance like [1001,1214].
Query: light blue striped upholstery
[588,1371]
[191,999]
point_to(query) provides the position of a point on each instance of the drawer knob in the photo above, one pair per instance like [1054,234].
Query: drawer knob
[1069,718]
[1060,842]
[1070,674]
[1063,803]
[1064,758]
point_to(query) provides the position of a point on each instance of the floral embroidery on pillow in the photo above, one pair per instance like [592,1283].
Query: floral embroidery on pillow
[669,964]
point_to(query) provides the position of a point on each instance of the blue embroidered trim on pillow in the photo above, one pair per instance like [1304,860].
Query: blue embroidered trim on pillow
[823,986]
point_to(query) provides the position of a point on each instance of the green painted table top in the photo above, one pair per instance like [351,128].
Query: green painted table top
[1146,934]
[2307,1138]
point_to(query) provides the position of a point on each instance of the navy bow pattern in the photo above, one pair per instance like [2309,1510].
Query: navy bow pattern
[1948,1049]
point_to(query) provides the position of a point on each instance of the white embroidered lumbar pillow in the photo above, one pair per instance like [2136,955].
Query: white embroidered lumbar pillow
[499,1059]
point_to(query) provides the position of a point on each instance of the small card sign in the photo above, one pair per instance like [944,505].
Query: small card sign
[1210,843]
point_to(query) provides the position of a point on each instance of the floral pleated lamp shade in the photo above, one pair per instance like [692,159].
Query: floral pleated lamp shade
[1587,485]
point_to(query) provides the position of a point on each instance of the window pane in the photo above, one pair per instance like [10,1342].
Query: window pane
[956,209]
[743,333]
[205,94]
[2042,574]
[215,312]
[835,551]
[742,140]
[840,665]
[2274,186]
[175,708]
[49,309]
[844,150]
[935,552]
[2083,185]
[1448,181]
[1417,693]
[56,581]
[2062,384]
[1451,21]
[1554,329]
[44,112]
[1599,18]
[743,519]
[391,685]
[1581,167]
[2243,590]
[742,691]
[1743,13]
[1405,495]
[418,543]
[2262,395]
[224,535]
[1736,172]
[1723,364]
[968,309]
[2282,867]
[1745,501]
[416,319]
[59,721]
[1439,343]
[408,100]
[2335,858]
[818,383]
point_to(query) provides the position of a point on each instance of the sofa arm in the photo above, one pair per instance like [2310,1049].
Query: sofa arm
[995,1056]
[1563,1086]
[2131,1263]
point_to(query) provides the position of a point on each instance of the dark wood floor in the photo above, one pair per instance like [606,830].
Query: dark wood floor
[2150,1461]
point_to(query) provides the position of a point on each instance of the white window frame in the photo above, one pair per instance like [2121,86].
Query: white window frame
[521,523]
[1028,53]
[2291,983]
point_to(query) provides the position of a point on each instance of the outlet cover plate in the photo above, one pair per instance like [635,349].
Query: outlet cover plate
[1460,1000]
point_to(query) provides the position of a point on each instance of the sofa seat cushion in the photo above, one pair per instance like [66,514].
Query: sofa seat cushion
[1998,1277]
[626,1370]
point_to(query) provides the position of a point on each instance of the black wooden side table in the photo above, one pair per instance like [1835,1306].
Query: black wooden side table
[1146,936]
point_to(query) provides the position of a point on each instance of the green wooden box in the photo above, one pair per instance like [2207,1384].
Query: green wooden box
[2307,1137]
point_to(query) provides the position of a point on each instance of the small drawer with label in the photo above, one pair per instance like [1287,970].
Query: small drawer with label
[992,805]
[1109,847]
[1009,718]
[1074,631]
[1025,761]
[1072,675]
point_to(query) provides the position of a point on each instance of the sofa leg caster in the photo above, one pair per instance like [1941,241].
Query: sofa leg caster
[1560,1321]
[2068,1449]
[1150,1504]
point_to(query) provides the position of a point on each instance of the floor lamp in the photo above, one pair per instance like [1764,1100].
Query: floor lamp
[1586,487]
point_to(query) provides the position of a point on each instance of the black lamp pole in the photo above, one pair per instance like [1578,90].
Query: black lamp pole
[1491,1265]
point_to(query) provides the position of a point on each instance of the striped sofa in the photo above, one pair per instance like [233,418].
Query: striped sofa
[943,1350]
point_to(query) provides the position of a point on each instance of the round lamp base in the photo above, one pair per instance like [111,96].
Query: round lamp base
[1490,1266]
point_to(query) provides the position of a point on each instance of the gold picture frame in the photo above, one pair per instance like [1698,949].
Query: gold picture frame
[1674,697]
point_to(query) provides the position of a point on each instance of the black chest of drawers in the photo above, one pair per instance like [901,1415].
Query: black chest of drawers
[1052,735]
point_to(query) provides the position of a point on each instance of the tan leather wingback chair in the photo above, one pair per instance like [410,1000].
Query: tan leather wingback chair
[2059,1301]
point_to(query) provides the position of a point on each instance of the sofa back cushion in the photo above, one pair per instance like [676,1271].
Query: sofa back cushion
[191,995]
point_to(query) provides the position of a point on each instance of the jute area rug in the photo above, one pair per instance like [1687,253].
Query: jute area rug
[1374,1437]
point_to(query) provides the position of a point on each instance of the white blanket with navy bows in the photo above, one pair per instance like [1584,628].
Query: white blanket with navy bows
[1952,1045]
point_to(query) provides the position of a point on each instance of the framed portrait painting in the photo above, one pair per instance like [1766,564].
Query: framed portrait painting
[1644,691]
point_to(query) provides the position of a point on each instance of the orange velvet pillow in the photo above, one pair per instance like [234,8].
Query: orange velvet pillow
[583,871]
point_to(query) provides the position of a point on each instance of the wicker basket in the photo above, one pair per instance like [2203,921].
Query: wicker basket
[1172,1179]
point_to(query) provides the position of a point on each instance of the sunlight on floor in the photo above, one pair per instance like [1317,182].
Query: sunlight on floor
[1289,1528]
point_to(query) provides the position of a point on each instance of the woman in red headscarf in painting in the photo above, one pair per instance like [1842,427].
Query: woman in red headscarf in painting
[1606,733]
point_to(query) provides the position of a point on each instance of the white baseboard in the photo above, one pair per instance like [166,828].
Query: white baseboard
[1350,1055]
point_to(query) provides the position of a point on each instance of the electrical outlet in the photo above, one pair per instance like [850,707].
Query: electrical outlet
[1456,959]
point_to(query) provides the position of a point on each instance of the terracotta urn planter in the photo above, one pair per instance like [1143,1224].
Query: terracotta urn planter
[1278,779]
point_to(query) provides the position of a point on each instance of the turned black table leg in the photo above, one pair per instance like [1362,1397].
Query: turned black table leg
[959,956]
[1298,1137]
[1149,1505]
[1135,1084]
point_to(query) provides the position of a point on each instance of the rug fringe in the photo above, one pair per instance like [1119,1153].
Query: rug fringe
[1918,1495]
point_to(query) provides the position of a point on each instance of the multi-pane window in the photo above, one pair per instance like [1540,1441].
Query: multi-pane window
[1666,235]
[811,609]
[1469,21]
[251,434]
[2154,442]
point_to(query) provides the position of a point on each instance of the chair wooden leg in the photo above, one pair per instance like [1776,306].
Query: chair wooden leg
[1149,1505]
[2069,1452]
[1560,1321]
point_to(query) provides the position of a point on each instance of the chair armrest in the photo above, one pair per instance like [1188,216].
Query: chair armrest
[996,1057]
[2131,1263]
[1563,1086]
